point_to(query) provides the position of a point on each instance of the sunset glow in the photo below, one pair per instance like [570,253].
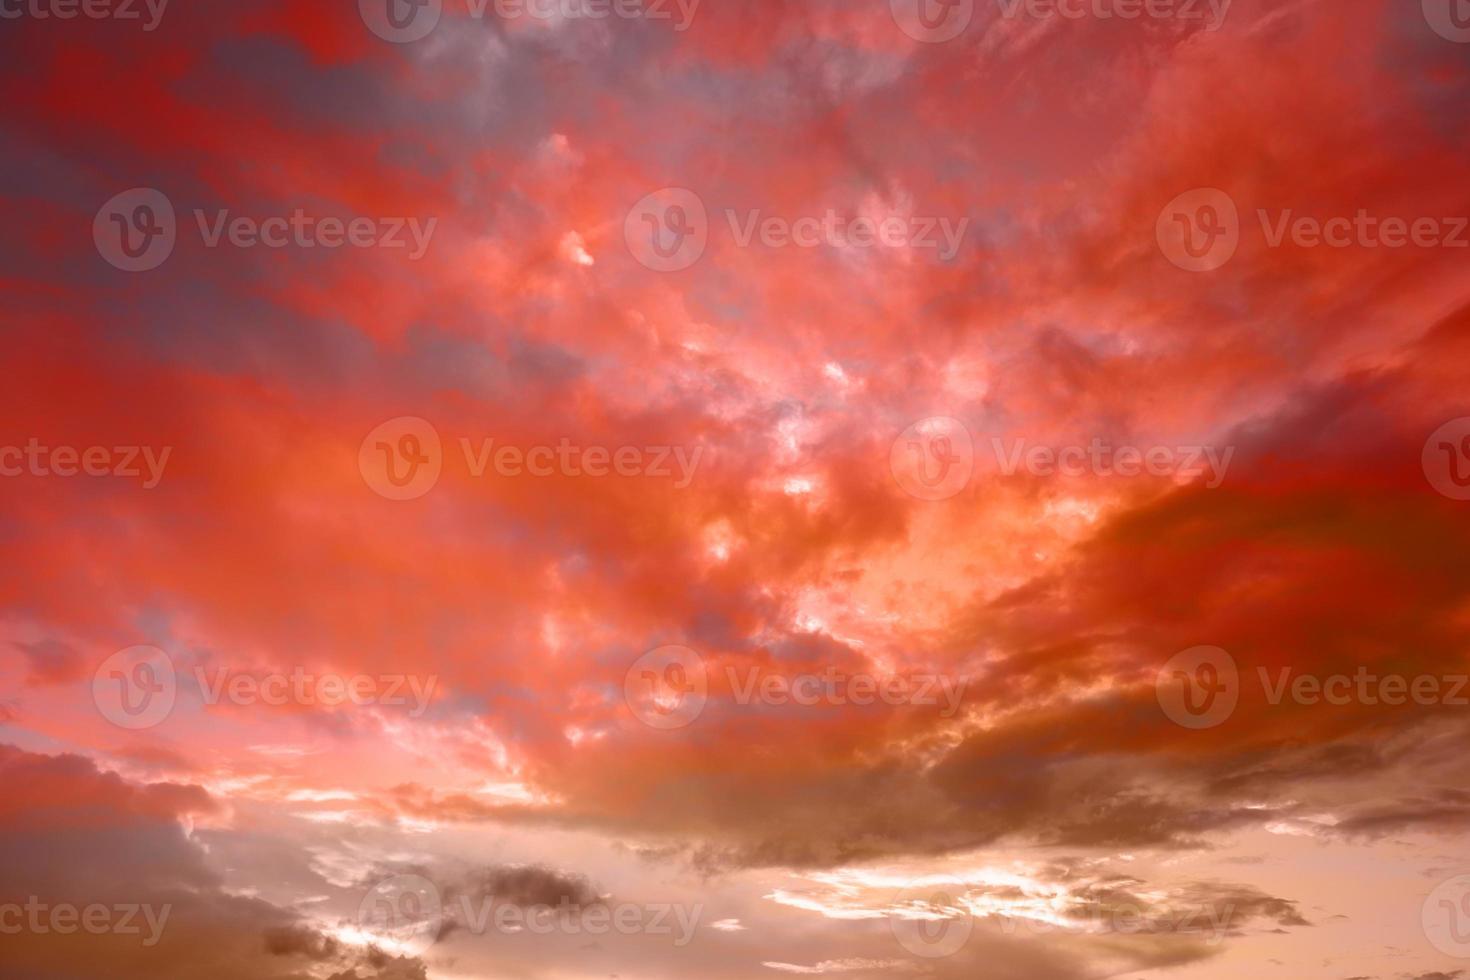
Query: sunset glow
[569,489]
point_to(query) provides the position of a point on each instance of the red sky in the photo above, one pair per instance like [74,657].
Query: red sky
[885,489]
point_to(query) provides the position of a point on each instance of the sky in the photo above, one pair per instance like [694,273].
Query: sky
[644,489]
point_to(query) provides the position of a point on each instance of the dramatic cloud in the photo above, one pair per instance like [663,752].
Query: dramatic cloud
[841,488]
